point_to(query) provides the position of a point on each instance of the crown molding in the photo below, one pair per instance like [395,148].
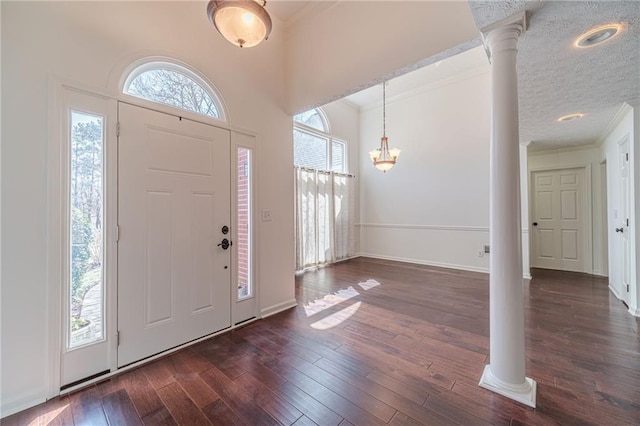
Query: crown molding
[624,109]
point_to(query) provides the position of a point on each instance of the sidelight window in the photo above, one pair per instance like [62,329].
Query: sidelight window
[86,247]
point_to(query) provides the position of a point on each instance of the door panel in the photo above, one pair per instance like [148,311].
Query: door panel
[558,210]
[174,198]
[625,241]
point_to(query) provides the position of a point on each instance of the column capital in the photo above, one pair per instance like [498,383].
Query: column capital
[508,29]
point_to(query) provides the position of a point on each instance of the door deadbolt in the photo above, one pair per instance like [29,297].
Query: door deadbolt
[225,230]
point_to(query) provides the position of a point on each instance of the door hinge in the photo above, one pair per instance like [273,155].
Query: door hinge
[627,288]
[117,233]
[118,129]
[118,338]
[627,155]
[627,221]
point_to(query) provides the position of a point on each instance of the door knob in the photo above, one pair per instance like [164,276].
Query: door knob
[224,244]
[619,230]
[535,223]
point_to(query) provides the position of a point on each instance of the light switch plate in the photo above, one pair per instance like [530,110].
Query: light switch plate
[266,215]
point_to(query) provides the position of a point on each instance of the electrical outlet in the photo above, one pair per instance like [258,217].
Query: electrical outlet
[480,253]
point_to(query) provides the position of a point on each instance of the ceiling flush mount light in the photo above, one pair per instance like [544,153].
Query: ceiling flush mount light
[598,35]
[570,117]
[384,158]
[244,23]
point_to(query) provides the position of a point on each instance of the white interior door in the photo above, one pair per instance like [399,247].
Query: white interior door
[623,220]
[174,198]
[558,231]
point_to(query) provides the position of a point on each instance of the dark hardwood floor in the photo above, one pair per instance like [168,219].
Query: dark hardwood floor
[407,351]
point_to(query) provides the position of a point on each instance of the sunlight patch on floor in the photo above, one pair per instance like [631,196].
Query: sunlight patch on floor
[369,284]
[330,300]
[337,318]
[48,418]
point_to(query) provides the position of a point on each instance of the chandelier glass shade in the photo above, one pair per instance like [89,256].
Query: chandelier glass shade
[384,158]
[245,23]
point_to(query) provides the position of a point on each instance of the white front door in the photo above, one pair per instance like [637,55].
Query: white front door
[622,222]
[173,200]
[558,228]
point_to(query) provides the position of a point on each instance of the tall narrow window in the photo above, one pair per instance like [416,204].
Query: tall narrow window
[86,179]
[245,285]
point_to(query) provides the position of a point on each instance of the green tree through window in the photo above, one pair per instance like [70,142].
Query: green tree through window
[173,88]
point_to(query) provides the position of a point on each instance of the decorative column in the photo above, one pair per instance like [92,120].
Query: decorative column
[506,372]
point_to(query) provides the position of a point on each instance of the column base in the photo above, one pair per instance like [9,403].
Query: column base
[524,394]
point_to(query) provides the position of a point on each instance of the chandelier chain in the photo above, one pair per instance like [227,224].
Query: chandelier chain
[384,109]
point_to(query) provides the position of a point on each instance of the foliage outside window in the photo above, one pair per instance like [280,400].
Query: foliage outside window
[313,145]
[86,231]
[171,85]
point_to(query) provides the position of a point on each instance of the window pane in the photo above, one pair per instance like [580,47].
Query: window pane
[173,88]
[337,157]
[245,286]
[311,118]
[86,248]
[309,150]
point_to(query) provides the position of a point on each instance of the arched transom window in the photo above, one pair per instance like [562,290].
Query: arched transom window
[174,85]
[314,146]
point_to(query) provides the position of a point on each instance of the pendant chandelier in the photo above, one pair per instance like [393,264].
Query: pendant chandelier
[244,23]
[384,158]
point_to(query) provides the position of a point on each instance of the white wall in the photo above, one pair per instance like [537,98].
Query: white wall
[568,158]
[91,43]
[433,206]
[609,150]
[353,42]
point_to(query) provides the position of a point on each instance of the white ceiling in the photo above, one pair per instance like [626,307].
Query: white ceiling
[555,78]
[472,60]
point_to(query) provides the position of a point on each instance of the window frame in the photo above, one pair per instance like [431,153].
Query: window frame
[330,141]
[161,63]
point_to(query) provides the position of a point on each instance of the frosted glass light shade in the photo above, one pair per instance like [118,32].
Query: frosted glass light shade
[244,23]
[384,158]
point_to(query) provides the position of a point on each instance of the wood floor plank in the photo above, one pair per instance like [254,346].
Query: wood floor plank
[119,409]
[278,407]
[142,394]
[219,413]
[161,417]
[86,408]
[313,409]
[236,398]
[305,421]
[181,407]
[158,374]
[411,352]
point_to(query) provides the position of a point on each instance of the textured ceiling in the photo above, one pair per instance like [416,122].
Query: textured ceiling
[556,78]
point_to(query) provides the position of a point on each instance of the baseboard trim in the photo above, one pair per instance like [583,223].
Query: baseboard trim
[524,394]
[427,263]
[436,264]
[614,291]
[276,309]
[21,402]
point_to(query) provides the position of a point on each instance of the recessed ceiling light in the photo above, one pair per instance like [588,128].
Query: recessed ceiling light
[571,117]
[598,35]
